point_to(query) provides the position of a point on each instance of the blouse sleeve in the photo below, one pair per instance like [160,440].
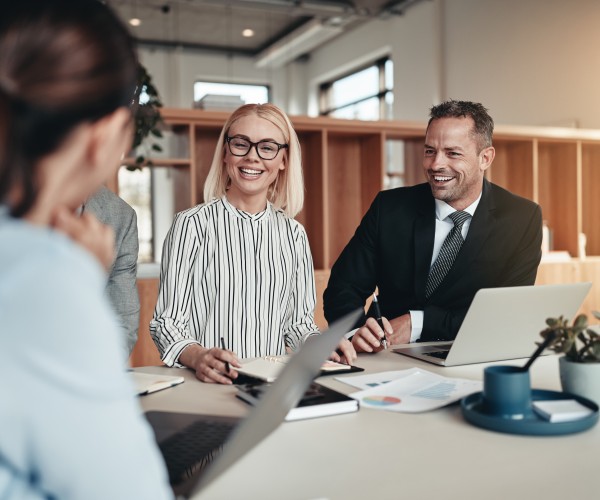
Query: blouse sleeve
[169,327]
[300,317]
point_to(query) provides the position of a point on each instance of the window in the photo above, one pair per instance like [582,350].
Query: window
[135,189]
[215,95]
[366,94]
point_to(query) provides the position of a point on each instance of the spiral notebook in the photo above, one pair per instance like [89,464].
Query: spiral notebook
[317,401]
[268,368]
[147,383]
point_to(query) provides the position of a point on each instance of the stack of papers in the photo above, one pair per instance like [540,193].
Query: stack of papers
[412,391]
[561,410]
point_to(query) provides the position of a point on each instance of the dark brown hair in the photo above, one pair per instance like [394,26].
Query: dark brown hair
[483,127]
[62,62]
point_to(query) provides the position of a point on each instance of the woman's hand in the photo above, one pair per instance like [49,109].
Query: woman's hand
[344,353]
[88,232]
[210,364]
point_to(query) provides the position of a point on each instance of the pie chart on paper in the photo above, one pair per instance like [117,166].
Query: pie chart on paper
[381,400]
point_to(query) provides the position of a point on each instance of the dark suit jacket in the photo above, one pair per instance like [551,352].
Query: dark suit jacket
[392,250]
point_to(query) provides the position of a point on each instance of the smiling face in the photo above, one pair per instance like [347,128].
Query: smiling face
[453,164]
[250,175]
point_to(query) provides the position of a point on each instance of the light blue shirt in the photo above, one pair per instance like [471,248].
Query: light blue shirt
[70,424]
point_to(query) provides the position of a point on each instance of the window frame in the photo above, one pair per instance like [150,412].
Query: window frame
[326,88]
[220,82]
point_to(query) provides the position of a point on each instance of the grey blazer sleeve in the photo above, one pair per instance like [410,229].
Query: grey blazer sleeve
[122,281]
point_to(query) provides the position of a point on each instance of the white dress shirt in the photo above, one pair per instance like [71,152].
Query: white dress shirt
[443,226]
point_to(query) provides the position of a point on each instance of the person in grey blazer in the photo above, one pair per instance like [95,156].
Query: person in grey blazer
[122,280]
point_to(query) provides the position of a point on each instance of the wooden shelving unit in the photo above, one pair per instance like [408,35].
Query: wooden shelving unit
[344,168]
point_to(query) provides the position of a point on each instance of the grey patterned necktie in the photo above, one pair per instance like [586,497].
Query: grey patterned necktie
[448,252]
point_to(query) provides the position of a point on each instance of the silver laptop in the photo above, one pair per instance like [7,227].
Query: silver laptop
[228,439]
[502,323]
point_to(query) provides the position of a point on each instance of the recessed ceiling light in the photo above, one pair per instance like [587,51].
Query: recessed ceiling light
[248,33]
[134,21]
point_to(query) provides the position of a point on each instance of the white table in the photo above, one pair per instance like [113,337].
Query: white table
[374,454]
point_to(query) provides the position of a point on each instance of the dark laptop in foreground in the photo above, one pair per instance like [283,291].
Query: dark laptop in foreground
[199,448]
[502,323]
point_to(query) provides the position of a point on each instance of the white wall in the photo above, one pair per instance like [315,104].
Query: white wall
[175,70]
[413,43]
[529,61]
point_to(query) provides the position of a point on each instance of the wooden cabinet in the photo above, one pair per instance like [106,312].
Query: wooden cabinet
[345,165]
[558,168]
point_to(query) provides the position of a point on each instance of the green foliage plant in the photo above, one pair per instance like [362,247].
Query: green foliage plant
[148,121]
[577,341]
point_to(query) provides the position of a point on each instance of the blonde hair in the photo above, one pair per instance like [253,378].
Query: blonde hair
[287,192]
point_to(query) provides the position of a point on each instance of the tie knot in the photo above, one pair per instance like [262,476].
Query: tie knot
[459,217]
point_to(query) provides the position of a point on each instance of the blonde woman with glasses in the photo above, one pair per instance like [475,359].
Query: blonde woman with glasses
[237,276]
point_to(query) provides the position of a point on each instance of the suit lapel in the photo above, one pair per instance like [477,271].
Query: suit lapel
[423,241]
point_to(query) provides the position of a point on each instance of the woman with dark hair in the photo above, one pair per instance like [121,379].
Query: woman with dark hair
[70,425]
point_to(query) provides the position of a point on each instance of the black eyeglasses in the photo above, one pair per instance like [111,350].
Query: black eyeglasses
[267,150]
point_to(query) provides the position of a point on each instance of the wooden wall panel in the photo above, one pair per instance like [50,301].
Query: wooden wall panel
[590,197]
[558,193]
[513,167]
[313,215]
[145,352]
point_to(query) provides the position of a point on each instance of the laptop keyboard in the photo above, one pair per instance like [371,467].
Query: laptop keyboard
[439,354]
[193,447]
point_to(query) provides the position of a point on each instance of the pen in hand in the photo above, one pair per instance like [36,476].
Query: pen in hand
[223,347]
[379,321]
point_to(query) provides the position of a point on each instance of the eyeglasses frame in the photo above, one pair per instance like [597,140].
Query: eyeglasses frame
[255,145]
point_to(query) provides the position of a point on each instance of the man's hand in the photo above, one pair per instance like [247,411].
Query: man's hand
[402,327]
[209,364]
[369,337]
[88,232]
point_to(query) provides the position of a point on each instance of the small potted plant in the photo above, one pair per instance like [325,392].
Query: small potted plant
[580,345]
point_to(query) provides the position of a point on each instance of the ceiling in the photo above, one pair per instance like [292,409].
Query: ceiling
[217,25]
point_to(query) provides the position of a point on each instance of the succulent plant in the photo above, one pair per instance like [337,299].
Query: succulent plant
[578,342]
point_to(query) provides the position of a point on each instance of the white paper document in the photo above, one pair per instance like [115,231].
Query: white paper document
[411,391]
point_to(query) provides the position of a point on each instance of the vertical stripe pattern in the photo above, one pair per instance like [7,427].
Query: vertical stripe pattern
[448,252]
[246,277]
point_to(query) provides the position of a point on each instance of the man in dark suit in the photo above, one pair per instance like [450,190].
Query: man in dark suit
[405,230]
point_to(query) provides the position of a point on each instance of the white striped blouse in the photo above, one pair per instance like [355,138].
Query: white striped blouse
[246,277]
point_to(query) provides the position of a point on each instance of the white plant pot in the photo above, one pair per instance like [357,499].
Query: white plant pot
[582,379]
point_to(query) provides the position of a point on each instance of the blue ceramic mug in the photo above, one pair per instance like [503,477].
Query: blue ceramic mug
[506,391]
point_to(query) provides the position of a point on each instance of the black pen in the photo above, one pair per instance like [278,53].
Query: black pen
[223,347]
[379,320]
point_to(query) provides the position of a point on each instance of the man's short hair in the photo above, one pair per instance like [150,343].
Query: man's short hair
[483,128]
